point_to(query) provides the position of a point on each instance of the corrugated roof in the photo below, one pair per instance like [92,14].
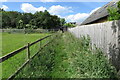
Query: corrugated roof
[100,13]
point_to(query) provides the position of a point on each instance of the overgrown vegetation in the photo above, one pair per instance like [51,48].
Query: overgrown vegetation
[44,20]
[69,25]
[114,13]
[69,57]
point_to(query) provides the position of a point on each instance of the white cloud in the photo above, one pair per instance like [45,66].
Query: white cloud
[3,0]
[57,9]
[47,0]
[79,17]
[4,7]
[29,8]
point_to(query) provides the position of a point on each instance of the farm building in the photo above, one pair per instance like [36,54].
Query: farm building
[105,35]
[101,15]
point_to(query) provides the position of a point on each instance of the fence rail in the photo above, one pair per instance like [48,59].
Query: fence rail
[20,68]
[27,47]
[21,49]
[28,30]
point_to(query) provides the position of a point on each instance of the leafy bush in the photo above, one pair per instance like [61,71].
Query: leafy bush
[114,13]
[69,25]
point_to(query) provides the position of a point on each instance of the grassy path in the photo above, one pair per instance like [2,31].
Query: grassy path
[68,57]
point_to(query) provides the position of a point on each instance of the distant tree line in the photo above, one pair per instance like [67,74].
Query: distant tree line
[44,20]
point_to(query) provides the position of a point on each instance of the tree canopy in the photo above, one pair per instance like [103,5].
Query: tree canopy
[44,20]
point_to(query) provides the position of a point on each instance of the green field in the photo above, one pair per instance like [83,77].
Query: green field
[12,42]
[69,57]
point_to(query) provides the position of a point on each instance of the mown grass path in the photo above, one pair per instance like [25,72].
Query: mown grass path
[68,57]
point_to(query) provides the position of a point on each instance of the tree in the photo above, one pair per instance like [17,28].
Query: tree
[114,13]
[6,21]
[14,19]
[33,24]
[1,9]
[20,24]
[46,21]
[62,21]
[118,4]
[26,17]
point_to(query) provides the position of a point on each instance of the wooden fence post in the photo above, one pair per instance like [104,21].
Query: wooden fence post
[50,39]
[39,45]
[28,51]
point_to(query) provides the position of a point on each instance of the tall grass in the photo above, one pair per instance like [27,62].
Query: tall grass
[69,57]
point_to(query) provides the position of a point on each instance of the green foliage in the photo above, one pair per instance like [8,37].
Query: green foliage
[69,25]
[118,4]
[69,57]
[114,13]
[62,20]
[10,19]
[20,24]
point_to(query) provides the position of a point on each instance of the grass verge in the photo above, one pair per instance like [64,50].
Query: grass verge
[69,57]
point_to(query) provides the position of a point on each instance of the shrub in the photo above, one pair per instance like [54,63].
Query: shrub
[114,13]
[69,25]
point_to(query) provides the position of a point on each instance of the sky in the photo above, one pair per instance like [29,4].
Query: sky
[71,11]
